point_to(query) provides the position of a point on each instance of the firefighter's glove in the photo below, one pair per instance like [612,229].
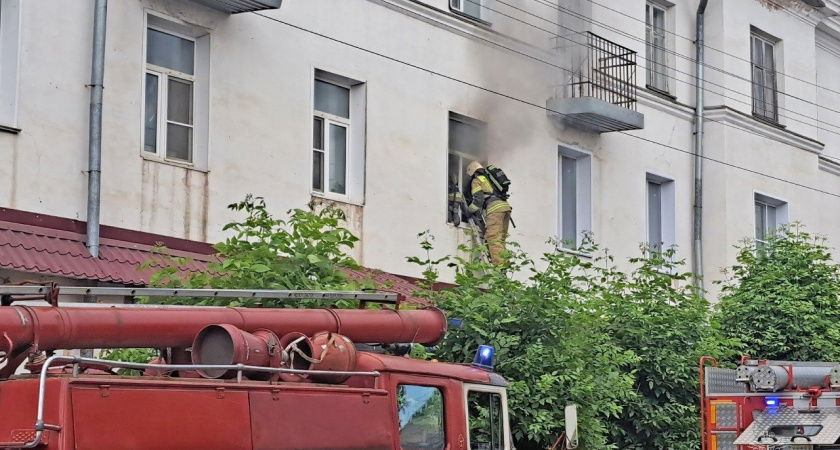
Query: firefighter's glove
[474,209]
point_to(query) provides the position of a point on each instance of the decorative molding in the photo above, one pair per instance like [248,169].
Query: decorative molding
[659,103]
[829,165]
[737,119]
[464,26]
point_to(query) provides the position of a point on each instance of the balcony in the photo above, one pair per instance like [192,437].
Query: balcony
[600,95]
[240,6]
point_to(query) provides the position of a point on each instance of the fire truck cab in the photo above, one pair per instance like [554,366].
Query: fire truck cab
[226,379]
[771,405]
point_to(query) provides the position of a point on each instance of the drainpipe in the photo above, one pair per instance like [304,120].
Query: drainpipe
[698,151]
[97,77]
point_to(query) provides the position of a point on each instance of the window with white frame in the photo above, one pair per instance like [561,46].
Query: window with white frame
[465,140]
[170,79]
[770,213]
[661,217]
[470,8]
[764,58]
[657,39]
[575,197]
[338,124]
[176,92]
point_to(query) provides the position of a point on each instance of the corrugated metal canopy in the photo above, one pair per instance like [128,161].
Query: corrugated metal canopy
[240,6]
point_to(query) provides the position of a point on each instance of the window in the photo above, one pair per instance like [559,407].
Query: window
[770,213]
[465,140]
[657,59]
[170,76]
[661,225]
[470,8]
[338,137]
[486,415]
[176,92]
[9,61]
[574,196]
[421,417]
[765,97]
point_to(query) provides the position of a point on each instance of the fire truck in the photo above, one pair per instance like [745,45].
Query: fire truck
[238,378]
[770,405]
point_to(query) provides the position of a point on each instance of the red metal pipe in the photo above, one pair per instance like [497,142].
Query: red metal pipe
[51,328]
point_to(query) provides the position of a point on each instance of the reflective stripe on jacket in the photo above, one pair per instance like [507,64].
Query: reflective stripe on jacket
[484,197]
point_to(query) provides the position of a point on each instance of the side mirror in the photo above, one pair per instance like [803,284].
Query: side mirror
[571,427]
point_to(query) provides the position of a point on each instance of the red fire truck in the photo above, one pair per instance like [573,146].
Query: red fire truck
[770,405]
[238,378]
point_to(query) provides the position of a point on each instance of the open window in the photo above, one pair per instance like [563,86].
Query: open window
[465,142]
[487,418]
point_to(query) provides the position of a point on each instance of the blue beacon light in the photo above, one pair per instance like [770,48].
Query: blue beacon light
[771,402]
[484,357]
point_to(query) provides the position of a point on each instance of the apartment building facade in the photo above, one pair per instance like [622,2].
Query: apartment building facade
[375,105]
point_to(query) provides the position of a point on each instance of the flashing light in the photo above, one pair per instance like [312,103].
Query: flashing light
[484,357]
[771,402]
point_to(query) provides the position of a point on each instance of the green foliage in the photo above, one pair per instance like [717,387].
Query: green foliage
[304,252]
[572,329]
[781,299]
[138,355]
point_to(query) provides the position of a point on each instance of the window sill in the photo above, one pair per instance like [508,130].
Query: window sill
[9,129]
[574,252]
[768,121]
[335,198]
[169,162]
[660,93]
[469,18]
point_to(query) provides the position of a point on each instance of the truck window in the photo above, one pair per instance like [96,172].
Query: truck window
[421,417]
[486,421]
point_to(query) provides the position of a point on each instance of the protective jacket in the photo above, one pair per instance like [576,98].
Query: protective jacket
[483,196]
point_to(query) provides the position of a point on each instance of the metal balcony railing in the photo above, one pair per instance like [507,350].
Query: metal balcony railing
[604,70]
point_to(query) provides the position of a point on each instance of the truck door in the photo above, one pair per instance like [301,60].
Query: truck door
[487,417]
[421,407]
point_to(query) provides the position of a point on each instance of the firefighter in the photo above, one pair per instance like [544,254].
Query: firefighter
[497,209]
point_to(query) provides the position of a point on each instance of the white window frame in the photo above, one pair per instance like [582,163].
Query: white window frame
[502,392]
[164,75]
[765,39]
[668,215]
[583,195]
[328,119]
[464,158]
[460,7]
[780,210]
[355,125]
[667,59]
[199,148]
[10,30]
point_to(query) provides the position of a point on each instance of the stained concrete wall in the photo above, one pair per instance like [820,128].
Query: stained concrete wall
[260,109]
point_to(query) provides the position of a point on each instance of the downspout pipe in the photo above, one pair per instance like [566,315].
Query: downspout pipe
[97,79]
[698,150]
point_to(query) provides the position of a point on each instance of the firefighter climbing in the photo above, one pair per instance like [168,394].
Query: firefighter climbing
[489,194]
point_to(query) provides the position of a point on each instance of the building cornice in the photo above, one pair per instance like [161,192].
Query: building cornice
[829,165]
[737,119]
[656,101]
[472,29]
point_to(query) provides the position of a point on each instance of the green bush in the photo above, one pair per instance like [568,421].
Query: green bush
[781,299]
[578,330]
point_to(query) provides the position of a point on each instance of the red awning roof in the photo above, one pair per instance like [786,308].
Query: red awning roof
[55,246]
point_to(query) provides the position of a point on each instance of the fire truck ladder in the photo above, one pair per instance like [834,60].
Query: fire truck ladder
[50,293]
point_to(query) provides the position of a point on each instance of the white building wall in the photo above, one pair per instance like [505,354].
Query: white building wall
[260,119]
